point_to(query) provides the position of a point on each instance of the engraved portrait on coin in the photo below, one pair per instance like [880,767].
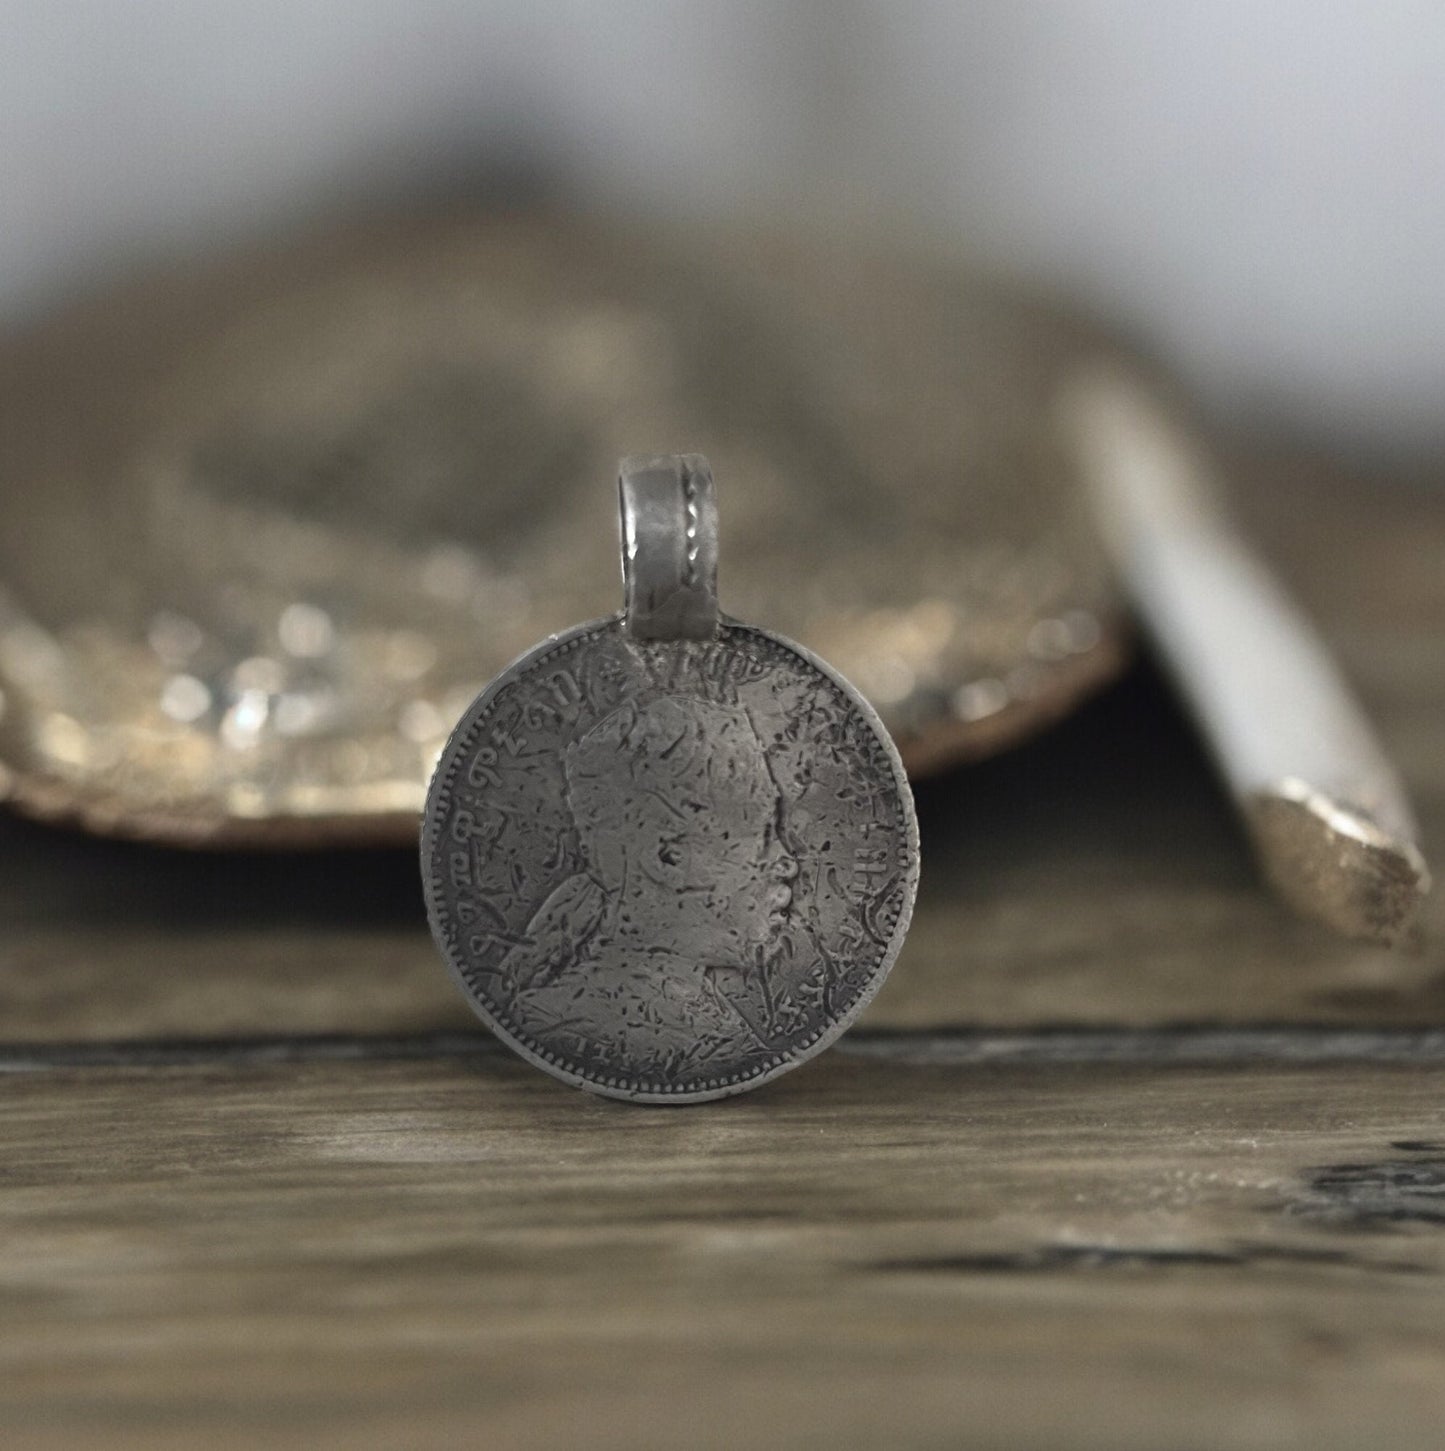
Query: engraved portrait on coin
[659,868]
[669,869]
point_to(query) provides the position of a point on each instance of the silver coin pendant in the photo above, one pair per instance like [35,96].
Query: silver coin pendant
[669,856]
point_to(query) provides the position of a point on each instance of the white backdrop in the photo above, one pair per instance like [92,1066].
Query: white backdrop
[1256,186]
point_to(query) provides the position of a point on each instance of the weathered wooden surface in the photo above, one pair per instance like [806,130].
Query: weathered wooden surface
[874,1253]
[264,1183]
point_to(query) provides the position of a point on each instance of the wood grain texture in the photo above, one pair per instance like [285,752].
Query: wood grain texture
[868,1253]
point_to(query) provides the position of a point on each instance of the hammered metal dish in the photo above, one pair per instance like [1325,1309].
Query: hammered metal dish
[268,527]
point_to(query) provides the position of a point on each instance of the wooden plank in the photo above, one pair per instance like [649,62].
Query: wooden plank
[873,1251]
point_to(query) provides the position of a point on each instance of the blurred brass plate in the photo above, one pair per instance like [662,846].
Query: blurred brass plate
[267,527]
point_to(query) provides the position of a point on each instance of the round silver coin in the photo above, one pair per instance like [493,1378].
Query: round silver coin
[669,856]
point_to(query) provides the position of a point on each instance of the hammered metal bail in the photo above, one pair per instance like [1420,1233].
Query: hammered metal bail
[669,547]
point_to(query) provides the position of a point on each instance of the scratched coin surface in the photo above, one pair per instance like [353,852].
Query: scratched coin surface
[669,870]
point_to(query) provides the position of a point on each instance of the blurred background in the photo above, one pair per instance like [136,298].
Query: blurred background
[1256,191]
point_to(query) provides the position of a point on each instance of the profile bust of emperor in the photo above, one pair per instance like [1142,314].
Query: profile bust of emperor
[663,944]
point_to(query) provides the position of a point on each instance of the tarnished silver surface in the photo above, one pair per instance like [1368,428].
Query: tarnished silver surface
[264,531]
[668,862]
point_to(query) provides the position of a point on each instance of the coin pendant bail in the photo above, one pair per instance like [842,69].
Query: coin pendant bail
[669,547]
